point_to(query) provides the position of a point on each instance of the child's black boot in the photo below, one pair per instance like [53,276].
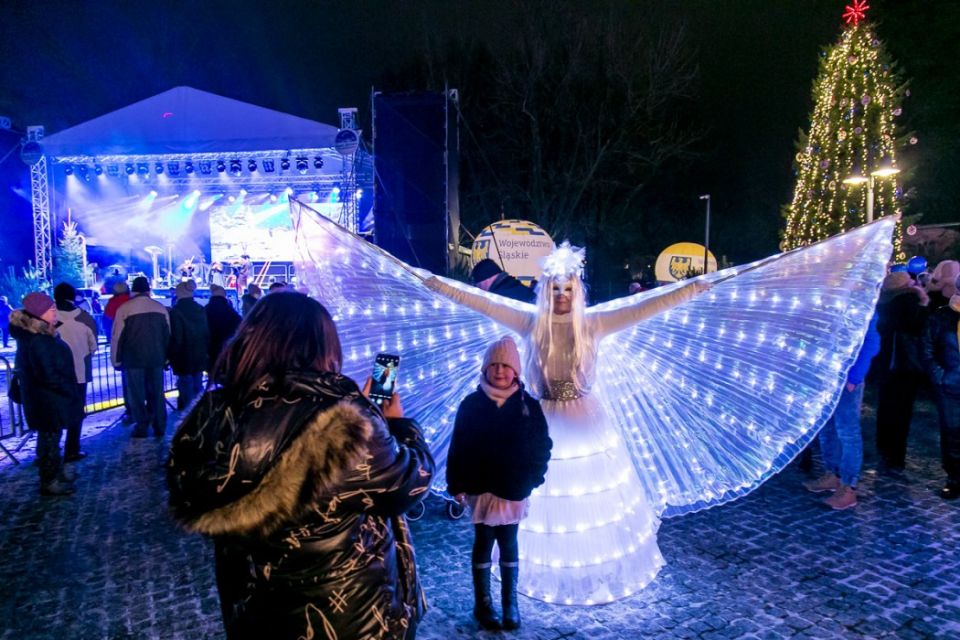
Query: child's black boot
[482,601]
[509,572]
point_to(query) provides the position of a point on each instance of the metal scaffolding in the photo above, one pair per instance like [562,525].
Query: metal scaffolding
[40,198]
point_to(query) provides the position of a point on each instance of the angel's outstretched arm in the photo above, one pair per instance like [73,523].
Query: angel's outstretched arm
[517,316]
[617,315]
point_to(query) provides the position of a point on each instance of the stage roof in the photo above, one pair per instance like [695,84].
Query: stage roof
[184,120]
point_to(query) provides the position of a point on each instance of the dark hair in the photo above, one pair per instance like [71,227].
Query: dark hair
[285,331]
[64,292]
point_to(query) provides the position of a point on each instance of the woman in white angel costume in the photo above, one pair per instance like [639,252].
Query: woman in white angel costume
[660,403]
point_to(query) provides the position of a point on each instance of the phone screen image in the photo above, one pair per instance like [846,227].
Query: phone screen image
[385,369]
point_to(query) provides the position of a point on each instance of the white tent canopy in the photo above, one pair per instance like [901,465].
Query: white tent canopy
[184,120]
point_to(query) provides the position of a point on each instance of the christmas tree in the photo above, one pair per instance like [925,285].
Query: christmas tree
[848,157]
[69,256]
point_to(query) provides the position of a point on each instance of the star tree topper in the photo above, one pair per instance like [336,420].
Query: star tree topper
[856,12]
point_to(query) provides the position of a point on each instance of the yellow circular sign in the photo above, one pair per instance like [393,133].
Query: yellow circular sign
[682,260]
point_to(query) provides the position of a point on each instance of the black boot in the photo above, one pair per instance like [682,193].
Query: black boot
[509,573]
[482,602]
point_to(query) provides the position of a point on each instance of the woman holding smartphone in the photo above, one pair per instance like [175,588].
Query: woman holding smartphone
[302,483]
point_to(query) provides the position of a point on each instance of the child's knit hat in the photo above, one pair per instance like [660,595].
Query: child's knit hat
[503,351]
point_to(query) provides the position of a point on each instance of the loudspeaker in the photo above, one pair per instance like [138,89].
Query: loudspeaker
[416,154]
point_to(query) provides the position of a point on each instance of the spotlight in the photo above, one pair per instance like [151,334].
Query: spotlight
[235,167]
[288,191]
[285,164]
[302,165]
[221,166]
[158,168]
[188,167]
[130,169]
[267,165]
[113,170]
[205,167]
[82,169]
[252,166]
[143,168]
[273,197]
[318,163]
[173,168]
[68,170]
[98,169]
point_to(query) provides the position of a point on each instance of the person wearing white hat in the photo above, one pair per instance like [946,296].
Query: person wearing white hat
[498,455]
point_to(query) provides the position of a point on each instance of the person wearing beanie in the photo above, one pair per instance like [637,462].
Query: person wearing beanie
[941,359]
[488,276]
[901,317]
[498,455]
[138,347]
[79,330]
[942,284]
[222,323]
[45,372]
[189,347]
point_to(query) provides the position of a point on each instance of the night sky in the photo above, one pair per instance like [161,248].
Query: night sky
[62,63]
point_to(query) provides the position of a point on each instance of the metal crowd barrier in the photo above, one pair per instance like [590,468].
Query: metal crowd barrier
[11,413]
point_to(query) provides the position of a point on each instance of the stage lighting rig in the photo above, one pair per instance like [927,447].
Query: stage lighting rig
[268,165]
[158,168]
[130,169]
[98,169]
[221,166]
[236,168]
[205,167]
[68,170]
[302,165]
[143,168]
[173,168]
[113,170]
[318,163]
[285,164]
[84,172]
[252,166]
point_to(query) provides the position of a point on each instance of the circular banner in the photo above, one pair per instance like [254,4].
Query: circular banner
[682,260]
[517,246]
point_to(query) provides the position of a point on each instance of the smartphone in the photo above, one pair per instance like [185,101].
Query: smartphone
[385,368]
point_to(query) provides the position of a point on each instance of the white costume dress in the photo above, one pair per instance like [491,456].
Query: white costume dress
[684,403]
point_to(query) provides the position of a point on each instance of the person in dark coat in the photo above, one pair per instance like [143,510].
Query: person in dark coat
[249,299]
[222,322]
[902,315]
[488,276]
[47,386]
[303,484]
[141,335]
[941,358]
[5,310]
[189,349]
[498,455]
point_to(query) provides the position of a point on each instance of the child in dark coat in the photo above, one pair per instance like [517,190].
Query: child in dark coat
[498,456]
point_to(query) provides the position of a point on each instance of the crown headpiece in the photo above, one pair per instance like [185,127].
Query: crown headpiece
[566,261]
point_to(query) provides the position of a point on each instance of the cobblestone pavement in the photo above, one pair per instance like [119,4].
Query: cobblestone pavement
[108,563]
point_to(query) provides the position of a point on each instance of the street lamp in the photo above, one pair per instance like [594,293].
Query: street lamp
[706,235]
[882,172]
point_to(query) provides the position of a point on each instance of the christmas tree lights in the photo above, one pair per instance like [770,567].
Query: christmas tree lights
[852,134]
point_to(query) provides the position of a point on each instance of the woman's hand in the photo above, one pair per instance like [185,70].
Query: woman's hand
[391,408]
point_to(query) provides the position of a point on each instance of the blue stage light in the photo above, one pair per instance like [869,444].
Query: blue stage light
[318,163]
[252,166]
[284,164]
[68,170]
[173,168]
[221,166]
[235,167]
[130,169]
[113,170]
[302,165]
[188,167]
[143,168]
[158,168]
[98,169]
[205,167]
[268,165]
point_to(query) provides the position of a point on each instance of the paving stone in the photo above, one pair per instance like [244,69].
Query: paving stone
[107,563]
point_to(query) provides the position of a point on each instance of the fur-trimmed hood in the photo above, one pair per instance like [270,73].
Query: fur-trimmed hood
[22,322]
[886,295]
[249,473]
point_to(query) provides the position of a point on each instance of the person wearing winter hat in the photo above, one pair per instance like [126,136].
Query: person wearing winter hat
[488,275]
[189,344]
[138,346]
[498,455]
[47,381]
[941,359]
[942,283]
[79,330]
[222,323]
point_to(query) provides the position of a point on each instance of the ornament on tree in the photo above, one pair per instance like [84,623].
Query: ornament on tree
[824,163]
[841,135]
[858,130]
[865,100]
[897,111]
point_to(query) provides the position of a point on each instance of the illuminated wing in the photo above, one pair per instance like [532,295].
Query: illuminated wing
[722,391]
[381,305]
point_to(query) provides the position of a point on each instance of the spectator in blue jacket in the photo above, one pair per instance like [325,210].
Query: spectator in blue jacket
[841,441]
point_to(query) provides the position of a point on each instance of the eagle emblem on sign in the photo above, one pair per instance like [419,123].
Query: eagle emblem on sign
[680,266]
